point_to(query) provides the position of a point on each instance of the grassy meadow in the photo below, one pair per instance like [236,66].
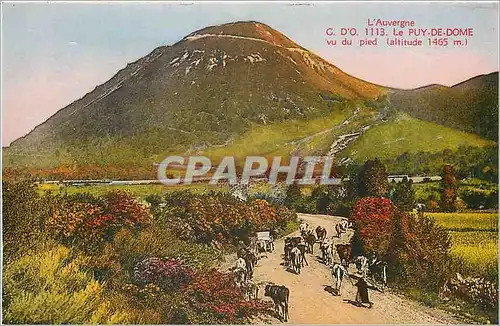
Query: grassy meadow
[475,241]
[140,191]
[467,221]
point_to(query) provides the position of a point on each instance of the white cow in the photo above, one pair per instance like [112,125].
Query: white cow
[327,251]
[240,270]
[338,272]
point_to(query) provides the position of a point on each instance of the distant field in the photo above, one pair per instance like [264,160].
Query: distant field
[479,250]
[406,134]
[475,241]
[136,190]
[467,221]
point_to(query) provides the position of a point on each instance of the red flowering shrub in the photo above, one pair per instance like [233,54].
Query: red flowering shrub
[416,249]
[87,221]
[263,215]
[372,219]
[206,218]
[168,274]
[214,298]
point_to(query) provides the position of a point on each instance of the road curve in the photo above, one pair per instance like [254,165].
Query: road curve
[311,304]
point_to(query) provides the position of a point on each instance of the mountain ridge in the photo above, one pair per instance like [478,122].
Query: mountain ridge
[183,97]
[470,105]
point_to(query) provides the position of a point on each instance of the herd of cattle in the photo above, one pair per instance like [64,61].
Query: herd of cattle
[295,257]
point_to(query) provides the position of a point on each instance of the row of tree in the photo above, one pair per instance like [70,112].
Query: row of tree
[371,180]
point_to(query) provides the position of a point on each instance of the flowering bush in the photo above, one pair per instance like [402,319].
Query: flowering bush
[416,249]
[86,220]
[372,219]
[168,274]
[220,218]
[214,298]
[51,287]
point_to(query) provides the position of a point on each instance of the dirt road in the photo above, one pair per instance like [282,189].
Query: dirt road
[311,304]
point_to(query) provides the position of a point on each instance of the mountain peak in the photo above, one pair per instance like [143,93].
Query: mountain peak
[246,30]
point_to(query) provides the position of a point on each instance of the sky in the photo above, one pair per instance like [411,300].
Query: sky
[54,53]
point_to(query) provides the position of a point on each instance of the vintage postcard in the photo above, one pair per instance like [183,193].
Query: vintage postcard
[250,162]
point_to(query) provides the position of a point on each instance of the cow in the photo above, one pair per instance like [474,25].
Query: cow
[295,256]
[378,270]
[341,227]
[321,233]
[344,252]
[240,270]
[261,246]
[302,246]
[310,240]
[280,295]
[338,272]
[270,245]
[362,265]
[250,262]
[273,234]
[326,250]
[338,230]
[251,290]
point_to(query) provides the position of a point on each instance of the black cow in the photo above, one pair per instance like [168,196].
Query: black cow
[280,295]
[310,239]
[378,270]
[250,261]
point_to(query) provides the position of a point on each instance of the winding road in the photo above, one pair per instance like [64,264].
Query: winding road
[310,303]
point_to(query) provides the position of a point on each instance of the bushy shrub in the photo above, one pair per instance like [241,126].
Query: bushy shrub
[48,287]
[474,289]
[87,222]
[168,274]
[216,218]
[372,219]
[23,213]
[415,247]
[419,252]
[156,240]
[214,298]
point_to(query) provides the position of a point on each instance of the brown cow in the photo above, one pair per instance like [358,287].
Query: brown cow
[321,233]
[344,252]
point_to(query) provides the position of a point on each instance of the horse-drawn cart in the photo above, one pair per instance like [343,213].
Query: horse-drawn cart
[265,241]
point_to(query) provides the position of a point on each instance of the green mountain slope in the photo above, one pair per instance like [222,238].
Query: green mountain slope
[470,106]
[243,89]
[406,134]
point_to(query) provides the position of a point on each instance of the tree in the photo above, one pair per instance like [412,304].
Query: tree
[373,179]
[23,218]
[402,194]
[449,189]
